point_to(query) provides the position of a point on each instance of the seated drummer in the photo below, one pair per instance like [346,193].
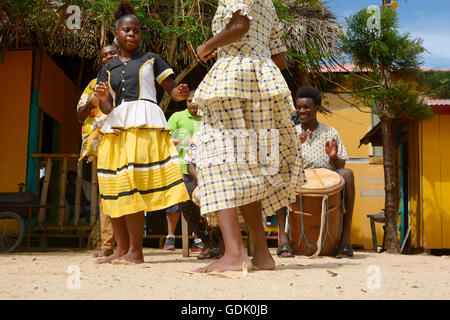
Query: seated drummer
[322,147]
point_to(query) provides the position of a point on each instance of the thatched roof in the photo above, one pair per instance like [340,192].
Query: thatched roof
[41,24]
[312,27]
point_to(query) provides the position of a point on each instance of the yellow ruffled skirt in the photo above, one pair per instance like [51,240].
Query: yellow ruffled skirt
[139,170]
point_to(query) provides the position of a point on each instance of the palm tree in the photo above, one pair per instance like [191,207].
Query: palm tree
[382,52]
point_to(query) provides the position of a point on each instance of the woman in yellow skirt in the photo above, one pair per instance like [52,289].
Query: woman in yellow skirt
[138,165]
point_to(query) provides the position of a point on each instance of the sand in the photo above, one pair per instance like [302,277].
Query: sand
[166,275]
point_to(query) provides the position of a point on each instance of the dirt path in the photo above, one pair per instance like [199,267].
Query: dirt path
[167,275]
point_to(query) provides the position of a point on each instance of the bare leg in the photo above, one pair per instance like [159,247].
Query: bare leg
[172,221]
[347,174]
[135,225]
[282,235]
[235,256]
[122,239]
[253,218]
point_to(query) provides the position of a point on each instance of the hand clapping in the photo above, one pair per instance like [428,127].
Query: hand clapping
[331,149]
[305,135]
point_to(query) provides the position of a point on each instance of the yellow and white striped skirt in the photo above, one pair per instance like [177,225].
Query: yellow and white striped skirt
[139,170]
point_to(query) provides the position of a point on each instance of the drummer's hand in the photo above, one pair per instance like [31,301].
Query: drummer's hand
[331,149]
[305,135]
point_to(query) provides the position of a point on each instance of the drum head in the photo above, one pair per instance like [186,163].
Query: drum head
[321,179]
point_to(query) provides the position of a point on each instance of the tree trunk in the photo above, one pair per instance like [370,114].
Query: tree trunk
[391,234]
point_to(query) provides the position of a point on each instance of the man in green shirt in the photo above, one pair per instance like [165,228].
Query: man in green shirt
[182,125]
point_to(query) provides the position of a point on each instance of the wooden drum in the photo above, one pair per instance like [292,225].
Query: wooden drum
[316,216]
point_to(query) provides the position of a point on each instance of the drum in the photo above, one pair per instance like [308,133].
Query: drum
[315,220]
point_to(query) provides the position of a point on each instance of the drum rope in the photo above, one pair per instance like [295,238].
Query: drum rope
[303,228]
[287,227]
[328,231]
[322,223]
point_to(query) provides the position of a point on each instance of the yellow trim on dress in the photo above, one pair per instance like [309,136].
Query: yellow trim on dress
[120,128]
[164,76]
[109,84]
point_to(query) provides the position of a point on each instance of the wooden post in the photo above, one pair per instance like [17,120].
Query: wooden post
[78,193]
[62,191]
[48,172]
[94,189]
[184,236]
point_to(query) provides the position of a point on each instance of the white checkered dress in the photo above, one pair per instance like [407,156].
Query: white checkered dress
[313,149]
[245,93]
[229,179]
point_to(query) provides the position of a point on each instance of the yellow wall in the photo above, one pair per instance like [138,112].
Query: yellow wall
[15,93]
[436,182]
[352,125]
[57,97]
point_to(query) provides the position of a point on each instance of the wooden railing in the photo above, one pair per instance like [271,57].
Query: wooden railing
[48,160]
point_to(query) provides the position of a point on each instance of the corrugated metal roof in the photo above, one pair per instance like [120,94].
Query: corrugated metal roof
[349,67]
[437,102]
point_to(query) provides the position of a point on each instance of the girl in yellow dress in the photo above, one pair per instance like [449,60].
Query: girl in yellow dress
[138,165]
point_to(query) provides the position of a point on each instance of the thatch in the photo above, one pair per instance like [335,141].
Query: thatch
[311,28]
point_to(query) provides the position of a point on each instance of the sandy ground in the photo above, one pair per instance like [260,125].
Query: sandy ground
[166,275]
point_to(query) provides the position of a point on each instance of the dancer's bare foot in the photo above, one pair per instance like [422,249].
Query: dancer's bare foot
[131,257]
[264,261]
[227,263]
[103,253]
[118,254]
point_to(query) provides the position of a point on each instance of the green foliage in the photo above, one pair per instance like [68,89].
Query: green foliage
[389,48]
[439,84]
[312,59]
[400,100]
[382,52]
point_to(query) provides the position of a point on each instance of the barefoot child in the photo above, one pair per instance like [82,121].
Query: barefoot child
[138,165]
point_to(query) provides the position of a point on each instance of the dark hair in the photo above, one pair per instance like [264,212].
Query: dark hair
[110,45]
[309,92]
[124,10]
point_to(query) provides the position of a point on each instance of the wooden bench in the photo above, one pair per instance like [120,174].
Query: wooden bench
[380,218]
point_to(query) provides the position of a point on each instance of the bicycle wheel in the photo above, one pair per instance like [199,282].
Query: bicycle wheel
[12,231]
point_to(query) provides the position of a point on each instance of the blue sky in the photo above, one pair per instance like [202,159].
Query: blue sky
[428,20]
